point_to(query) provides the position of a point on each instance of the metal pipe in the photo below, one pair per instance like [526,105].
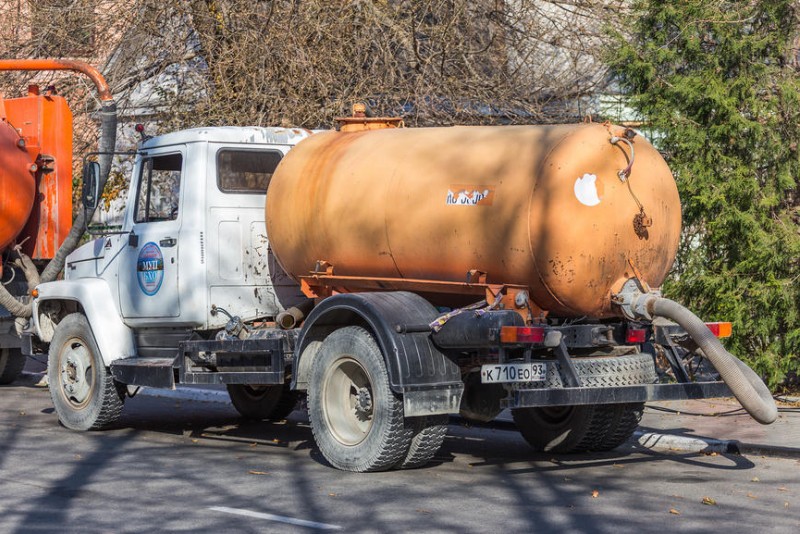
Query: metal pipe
[293,316]
[62,64]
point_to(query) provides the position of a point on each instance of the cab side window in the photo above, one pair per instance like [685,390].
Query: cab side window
[246,171]
[158,194]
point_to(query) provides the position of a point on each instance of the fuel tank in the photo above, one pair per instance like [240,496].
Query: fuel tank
[17,184]
[557,208]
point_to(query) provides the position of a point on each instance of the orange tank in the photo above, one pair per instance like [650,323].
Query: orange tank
[550,208]
[35,172]
[17,183]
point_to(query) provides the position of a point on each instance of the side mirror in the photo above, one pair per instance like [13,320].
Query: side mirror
[91,185]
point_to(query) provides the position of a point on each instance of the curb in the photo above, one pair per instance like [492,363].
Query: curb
[773,451]
[195,394]
[26,378]
[674,443]
[687,444]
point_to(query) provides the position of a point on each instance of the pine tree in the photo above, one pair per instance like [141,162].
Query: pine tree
[718,84]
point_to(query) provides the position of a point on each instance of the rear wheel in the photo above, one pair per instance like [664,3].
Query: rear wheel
[623,424]
[565,429]
[429,434]
[271,402]
[84,393]
[12,362]
[356,419]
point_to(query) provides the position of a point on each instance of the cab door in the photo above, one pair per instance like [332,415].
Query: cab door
[148,269]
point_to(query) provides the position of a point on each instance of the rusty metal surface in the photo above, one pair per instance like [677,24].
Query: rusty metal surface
[542,207]
[17,184]
[360,124]
[44,122]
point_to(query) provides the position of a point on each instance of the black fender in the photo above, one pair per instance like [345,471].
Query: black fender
[427,379]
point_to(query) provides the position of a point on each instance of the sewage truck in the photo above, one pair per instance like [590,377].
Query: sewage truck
[36,227]
[396,276]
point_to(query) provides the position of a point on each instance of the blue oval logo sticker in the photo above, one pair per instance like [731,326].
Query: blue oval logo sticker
[150,269]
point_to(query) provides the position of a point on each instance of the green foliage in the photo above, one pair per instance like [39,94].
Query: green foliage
[718,80]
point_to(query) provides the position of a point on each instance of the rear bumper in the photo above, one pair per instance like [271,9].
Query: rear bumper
[528,398]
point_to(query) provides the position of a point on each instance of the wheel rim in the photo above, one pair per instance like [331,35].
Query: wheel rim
[76,373]
[347,401]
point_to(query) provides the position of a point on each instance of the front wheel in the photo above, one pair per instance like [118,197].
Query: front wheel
[12,362]
[356,419]
[84,393]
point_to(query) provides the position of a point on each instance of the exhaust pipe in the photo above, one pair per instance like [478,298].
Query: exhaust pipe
[744,383]
[294,316]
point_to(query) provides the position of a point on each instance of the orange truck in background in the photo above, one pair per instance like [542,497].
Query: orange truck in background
[35,198]
[36,217]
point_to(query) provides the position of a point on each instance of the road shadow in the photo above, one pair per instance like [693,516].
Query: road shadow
[480,446]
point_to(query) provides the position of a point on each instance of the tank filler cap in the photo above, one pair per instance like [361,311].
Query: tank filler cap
[360,121]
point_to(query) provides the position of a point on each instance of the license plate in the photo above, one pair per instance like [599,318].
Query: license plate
[513,372]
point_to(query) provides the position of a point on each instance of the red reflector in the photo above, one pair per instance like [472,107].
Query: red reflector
[530,334]
[636,335]
[522,334]
[720,329]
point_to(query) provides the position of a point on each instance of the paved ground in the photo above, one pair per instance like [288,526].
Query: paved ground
[176,465]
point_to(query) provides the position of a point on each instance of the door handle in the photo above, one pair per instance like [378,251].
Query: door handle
[168,242]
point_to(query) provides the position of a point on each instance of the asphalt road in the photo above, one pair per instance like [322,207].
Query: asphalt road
[188,466]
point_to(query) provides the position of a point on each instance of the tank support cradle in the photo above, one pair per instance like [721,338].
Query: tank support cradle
[322,283]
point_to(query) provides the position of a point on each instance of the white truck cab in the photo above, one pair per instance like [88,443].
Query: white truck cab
[193,240]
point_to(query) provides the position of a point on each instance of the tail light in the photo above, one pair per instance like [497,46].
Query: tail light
[522,334]
[720,329]
[635,335]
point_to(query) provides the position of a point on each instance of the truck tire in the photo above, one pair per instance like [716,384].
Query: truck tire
[566,429]
[11,364]
[622,426]
[356,419]
[570,429]
[429,434]
[84,393]
[271,402]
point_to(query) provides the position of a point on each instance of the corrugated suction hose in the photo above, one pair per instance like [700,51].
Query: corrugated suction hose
[745,384]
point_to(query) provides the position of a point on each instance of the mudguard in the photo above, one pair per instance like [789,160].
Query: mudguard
[93,295]
[429,381]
